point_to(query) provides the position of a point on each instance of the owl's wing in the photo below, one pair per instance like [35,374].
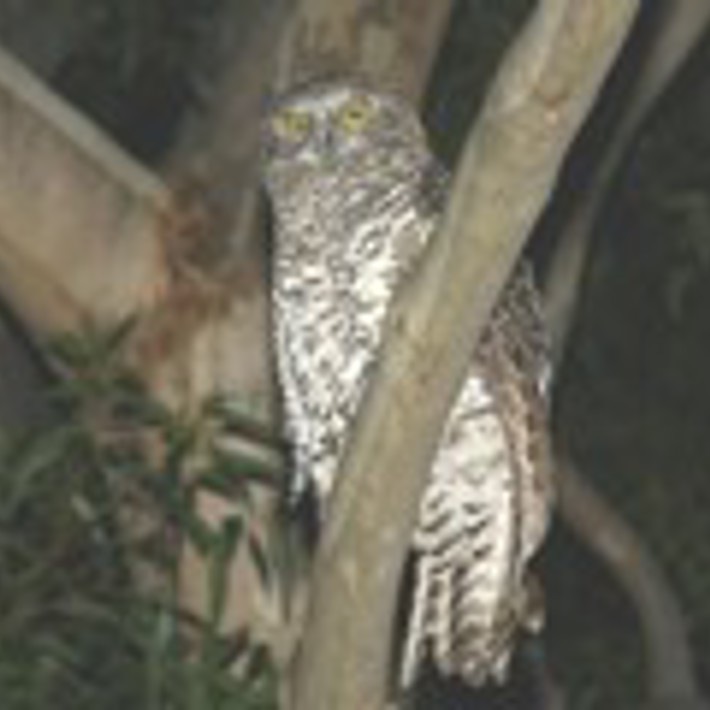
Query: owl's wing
[516,352]
[486,508]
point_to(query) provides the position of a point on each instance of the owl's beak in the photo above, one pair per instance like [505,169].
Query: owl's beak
[327,148]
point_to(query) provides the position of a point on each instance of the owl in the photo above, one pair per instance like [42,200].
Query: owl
[356,196]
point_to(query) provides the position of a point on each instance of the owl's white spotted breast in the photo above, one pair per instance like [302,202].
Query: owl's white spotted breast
[330,298]
[348,228]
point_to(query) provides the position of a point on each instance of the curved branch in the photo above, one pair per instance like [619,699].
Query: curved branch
[679,28]
[544,90]
[672,684]
[670,675]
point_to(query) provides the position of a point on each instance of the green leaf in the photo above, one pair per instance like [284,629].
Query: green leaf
[37,457]
[222,555]
[259,560]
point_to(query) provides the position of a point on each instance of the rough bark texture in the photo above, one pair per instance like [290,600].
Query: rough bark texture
[542,94]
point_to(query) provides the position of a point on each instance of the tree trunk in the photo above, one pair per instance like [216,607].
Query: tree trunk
[393,43]
[88,235]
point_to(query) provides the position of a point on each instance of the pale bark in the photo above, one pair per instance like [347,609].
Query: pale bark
[544,90]
[89,236]
[78,217]
[390,42]
[86,234]
[40,33]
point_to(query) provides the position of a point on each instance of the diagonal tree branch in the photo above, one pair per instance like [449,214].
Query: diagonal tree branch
[544,90]
[87,234]
[680,26]
[77,215]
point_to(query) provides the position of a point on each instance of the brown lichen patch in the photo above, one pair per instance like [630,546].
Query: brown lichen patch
[201,278]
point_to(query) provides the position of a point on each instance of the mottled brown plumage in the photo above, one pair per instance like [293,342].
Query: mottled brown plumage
[356,195]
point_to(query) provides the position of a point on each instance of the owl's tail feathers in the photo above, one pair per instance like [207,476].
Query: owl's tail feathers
[450,623]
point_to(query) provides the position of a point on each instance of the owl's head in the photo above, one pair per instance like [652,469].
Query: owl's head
[334,127]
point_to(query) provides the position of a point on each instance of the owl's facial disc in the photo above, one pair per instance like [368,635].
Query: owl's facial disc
[331,128]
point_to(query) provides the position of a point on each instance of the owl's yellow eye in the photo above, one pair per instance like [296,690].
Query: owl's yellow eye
[354,115]
[291,124]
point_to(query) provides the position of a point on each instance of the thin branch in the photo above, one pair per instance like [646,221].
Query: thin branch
[670,665]
[679,28]
[670,671]
[545,89]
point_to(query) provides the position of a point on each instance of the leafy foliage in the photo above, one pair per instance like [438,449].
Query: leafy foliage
[75,631]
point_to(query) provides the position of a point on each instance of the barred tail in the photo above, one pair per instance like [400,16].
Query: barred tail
[451,622]
[465,591]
